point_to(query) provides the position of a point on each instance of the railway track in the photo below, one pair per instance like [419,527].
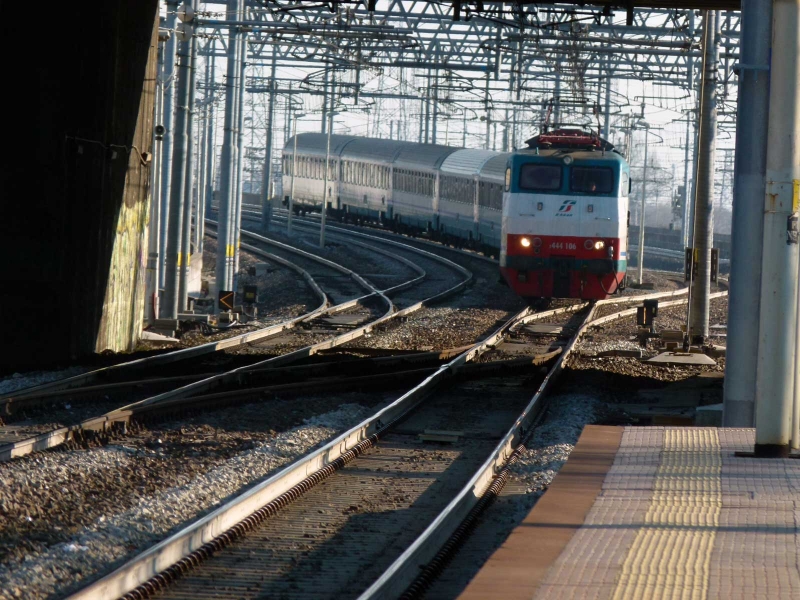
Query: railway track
[283,344]
[396,487]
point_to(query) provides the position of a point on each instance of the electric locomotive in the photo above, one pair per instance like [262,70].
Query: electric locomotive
[565,217]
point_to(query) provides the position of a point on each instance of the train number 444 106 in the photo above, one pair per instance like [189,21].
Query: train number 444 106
[563,246]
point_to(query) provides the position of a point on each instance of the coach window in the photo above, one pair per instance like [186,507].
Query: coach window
[539,177]
[591,180]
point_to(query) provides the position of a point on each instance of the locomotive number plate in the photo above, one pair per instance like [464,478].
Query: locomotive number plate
[563,246]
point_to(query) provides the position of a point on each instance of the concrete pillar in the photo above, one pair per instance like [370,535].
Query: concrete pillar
[168,89]
[226,191]
[178,185]
[748,216]
[777,333]
[704,200]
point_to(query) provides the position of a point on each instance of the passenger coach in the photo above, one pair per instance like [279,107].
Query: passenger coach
[555,214]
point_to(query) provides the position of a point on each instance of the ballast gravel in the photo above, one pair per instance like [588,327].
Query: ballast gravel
[546,452]
[58,569]
[19,381]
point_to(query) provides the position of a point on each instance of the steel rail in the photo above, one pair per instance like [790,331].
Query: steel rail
[404,571]
[186,353]
[122,415]
[195,539]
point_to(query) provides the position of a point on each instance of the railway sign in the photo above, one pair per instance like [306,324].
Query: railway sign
[691,263]
[250,294]
[226,299]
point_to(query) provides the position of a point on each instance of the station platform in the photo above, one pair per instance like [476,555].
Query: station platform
[656,512]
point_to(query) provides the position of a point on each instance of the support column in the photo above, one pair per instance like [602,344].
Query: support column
[421,118]
[185,258]
[488,114]
[704,200]
[325,103]
[237,215]
[557,97]
[154,261]
[686,226]
[266,198]
[168,87]
[640,258]
[777,334]
[178,183]
[748,217]
[427,114]
[435,107]
[226,158]
[211,144]
[607,115]
[201,165]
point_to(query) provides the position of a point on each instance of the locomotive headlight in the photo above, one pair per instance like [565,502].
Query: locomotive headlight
[599,245]
[525,242]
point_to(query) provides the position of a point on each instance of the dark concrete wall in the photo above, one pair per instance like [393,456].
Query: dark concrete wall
[75,191]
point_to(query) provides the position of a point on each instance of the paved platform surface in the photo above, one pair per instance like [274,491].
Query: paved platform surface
[656,512]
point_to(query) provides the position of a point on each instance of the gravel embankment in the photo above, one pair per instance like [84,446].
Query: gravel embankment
[66,516]
[621,335]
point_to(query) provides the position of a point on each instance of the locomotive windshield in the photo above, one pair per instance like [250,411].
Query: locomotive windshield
[533,176]
[591,180]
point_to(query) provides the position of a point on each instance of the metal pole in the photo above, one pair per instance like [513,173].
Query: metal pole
[607,116]
[695,157]
[325,103]
[237,220]
[325,184]
[686,209]
[704,201]
[202,164]
[186,235]
[464,131]
[294,174]
[505,132]
[777,334]
[266,199]
[178,183]
[747,228]
[488,113]
[435,107]
[557,97]
[642,209]
[211,152]
[153,230]
[211,155]
[427,115]
[168,87]
[226,191]
[421,118]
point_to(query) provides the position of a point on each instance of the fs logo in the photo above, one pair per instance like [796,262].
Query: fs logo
[566,208]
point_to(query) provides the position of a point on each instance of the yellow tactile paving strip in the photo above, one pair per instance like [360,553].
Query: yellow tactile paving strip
[678,516]
[671,553]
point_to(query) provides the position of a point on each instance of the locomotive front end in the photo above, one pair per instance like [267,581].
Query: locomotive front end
[564,226]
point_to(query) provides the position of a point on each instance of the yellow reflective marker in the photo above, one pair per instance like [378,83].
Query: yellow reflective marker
[671,553]
[795,194]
